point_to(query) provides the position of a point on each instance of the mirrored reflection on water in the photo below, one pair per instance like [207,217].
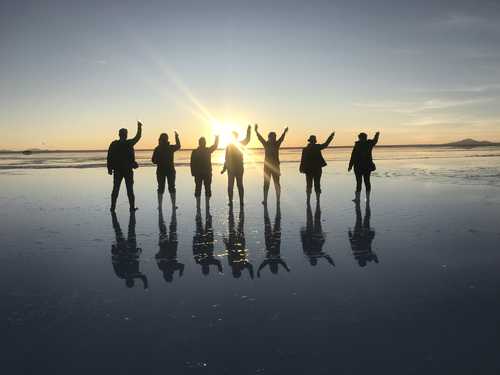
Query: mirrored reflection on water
[361,237]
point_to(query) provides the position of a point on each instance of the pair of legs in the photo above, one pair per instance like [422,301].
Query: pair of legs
[313,178]
[118,176]
[170,178]
[200,181]
[360,177]
[275,175]
[231,177]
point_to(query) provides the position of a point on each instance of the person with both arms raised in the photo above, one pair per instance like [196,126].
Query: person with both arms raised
[121,164]
[163,157]
[201,170]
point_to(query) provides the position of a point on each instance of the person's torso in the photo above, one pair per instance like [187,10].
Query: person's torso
[201,161]
[234,159]
[123,155]
[313,158]
[271,152]
[165,158]
[363,152]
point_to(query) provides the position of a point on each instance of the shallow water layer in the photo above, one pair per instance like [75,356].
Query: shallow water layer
[406,285]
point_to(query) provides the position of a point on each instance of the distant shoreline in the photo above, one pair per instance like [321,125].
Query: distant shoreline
[251,148]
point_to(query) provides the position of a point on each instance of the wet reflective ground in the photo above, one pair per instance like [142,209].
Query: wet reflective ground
[407,285]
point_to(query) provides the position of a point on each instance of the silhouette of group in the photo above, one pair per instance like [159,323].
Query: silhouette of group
[121,164]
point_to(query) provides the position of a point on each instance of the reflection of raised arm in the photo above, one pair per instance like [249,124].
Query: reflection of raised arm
[329,259]
[144,280]
[375,139]
[282,262]
[247,138]
[138,134]
[282,138]
[328,141]
[215,145]
[177,142]
[259,136]
[261,267]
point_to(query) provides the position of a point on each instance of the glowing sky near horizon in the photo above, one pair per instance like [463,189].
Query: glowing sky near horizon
[73,73]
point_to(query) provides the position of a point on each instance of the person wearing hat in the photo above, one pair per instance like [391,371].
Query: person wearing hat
[312,163]
[362,161]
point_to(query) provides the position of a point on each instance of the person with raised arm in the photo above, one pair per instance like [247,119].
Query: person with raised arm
[201,169]
[121,164]
[271,161]
[362,161]
[163,157]
[234,165]
[312,163]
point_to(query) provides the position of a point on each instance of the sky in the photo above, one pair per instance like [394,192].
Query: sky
[73,73]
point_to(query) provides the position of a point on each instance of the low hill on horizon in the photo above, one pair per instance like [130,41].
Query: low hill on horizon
[469,142]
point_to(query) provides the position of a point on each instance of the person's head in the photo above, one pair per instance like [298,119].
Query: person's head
[312,139]
[123,134]
[202,142]
[129,283]
[163,139]
[168,276]
[235,135]
[313,261]
[271,136]
[362,136]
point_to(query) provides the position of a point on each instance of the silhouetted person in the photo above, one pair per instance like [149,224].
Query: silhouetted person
[234,165]
[312,163]
[163,157]
[166,258]
[361,237]
[121,164]
[125,253]
[271,161]
[272,237]
[313,237]
[201,169]
[362,161]
[203,244]
[236,246]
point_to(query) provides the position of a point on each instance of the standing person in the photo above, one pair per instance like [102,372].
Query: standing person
[271,161]
[234,165]
[362,161]
[121,164]
[163,157]
[201,169]
[311,165]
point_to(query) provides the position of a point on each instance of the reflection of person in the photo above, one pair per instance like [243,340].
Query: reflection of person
[201,169]
[234,166]
[236,246]
[361,237]
[121,163]
[125,253]
[313,237]
[272,237]
[163,157]
[271,161]
[312,163]
[362,161]
[203,244]
[166,258]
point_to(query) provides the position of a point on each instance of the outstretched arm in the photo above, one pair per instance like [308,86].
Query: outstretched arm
[375,139]
[215,145]
[259,136]
[328,141]
[282,138]
[247,138]
[138,134]
[177,145]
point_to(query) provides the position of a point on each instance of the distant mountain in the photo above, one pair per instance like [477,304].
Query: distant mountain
[469,142]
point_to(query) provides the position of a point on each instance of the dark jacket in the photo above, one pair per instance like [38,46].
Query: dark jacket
[163,156]
[121,154]
[361,156]
[201,160]
[312,160]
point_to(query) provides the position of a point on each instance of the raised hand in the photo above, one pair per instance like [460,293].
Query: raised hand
[139,124]
[256,127]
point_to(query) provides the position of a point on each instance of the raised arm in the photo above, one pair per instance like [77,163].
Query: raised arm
[282,138]
[177,145]
[328,141]
[138,134]
[375,139]
[215,145]
[259,136]
[247,138]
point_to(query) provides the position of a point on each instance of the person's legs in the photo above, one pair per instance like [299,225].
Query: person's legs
[197,190]
[117,181]
[267,182]
[241,190]
[207,181]
[317,184]
[309,182]
[160,177]
[359,182]
[171,187]
[230,187]
[129,183]
[277,186]
[368,185]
